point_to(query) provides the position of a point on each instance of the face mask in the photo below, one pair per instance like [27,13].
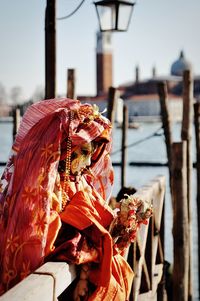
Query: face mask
[81,158]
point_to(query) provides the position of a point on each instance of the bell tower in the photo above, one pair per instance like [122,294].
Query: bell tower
[103,62]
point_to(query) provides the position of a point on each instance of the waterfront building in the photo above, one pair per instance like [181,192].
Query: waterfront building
[140,96]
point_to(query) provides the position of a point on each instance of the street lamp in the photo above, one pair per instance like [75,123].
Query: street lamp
[114,15]
[50,49]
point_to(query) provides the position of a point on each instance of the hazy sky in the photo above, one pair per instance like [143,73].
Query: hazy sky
[158,31]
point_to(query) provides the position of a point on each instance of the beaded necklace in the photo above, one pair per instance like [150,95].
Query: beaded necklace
[66,180]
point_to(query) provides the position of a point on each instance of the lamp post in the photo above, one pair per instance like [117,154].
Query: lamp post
[50,49]
[114,15]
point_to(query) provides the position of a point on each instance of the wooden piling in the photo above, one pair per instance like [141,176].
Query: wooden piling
[180,222]
[186,135]
[124,145]
[16,121]
[197,135]
[113,95]
[71,83]
[166,121]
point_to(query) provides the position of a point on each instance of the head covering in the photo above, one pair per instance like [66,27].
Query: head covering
[28,182]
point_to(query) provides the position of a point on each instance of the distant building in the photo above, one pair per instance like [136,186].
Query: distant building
[140,96]
[104,60]
[180,65]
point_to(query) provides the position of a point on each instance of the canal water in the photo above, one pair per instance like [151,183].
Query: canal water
[145,144]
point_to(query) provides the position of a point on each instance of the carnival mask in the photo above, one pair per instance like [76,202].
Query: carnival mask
[81,158]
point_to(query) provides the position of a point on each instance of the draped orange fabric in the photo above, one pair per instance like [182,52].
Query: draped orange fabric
[113,276]
[30,218]
[95,214]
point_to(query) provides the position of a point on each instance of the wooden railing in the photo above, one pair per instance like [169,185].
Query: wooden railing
[45,284]
[145,256]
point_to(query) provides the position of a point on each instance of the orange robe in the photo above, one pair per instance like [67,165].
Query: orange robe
[112,275]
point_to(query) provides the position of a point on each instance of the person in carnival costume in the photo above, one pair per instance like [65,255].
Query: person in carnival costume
[53,200]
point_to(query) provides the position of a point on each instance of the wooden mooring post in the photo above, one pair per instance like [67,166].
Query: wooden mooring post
[71,83]
[16,121]
[180,222]
[197,135]
[124,146]
[113,95]
[186,135]
[166,121]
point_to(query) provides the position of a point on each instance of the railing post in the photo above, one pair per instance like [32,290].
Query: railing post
[161,293]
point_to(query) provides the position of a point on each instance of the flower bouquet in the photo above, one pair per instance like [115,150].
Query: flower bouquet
[132,212]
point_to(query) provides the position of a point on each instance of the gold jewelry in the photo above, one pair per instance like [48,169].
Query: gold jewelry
[66,180]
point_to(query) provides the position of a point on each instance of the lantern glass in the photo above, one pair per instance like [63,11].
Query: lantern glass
[124,16]
[106,17]
[114,15]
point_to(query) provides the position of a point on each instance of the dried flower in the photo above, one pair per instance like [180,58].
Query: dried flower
[131,214]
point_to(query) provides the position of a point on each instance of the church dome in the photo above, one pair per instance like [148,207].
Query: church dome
[180,65]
